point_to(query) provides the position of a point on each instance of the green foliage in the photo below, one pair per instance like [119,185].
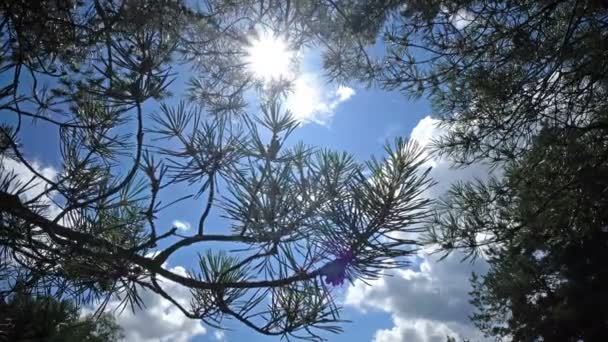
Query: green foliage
[519,86]
[549,267]
[26,318]
[97,77]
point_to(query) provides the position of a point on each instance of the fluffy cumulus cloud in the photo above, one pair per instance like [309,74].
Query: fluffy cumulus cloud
[430,301]
[414,331]
[159,320]
[442,171]
[23,176]
[427,304]
[311,100]
[181,225]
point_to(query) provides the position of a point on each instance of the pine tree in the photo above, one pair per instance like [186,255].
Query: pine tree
[521,87]
[99,77]
[26,318]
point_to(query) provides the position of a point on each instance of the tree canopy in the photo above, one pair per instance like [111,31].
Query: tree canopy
[99,75]
[25,318]
[519,86]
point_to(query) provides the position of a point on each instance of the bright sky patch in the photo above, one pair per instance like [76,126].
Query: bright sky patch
[269,57]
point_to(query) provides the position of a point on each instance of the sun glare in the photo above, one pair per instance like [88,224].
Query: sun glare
[269,58]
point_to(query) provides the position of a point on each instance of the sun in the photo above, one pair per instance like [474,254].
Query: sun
[269,58]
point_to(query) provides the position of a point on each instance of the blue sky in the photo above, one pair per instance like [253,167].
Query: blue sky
[424,303]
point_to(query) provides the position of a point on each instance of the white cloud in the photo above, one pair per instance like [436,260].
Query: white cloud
[415,331]
[462,18]
[219,335]
[159,320]
[344,93]
[427,304]
[426,130]
[430,302]
[312,101]
[24,175]
[181,225]
[36,185]
[443,173]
